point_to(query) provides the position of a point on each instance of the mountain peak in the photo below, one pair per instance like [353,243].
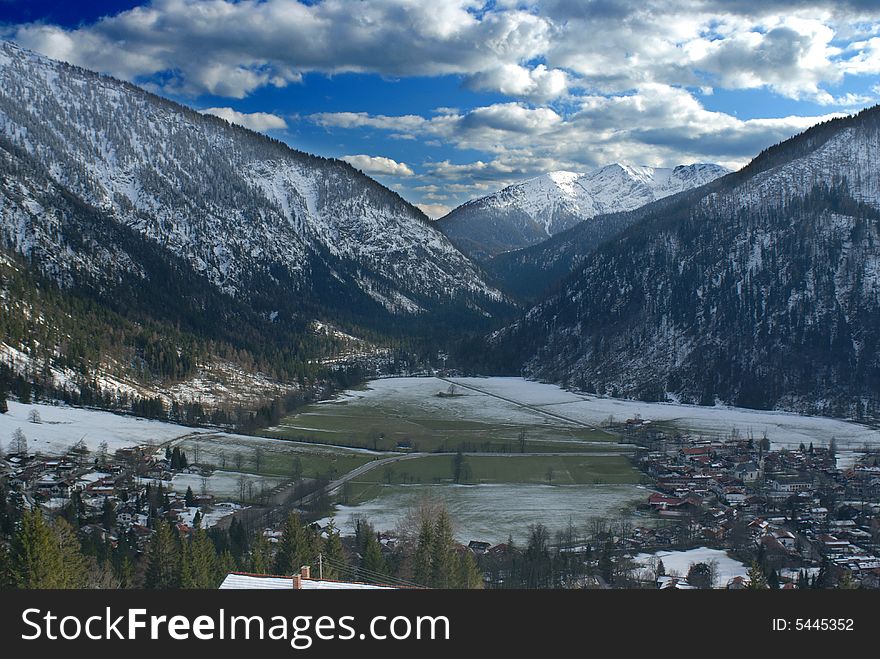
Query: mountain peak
[727,292]
[533,210]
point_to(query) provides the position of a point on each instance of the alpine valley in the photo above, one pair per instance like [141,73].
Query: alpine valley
[148,249]
[146,243]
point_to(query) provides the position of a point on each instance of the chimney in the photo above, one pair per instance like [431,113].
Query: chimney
[297,582]
[305,572]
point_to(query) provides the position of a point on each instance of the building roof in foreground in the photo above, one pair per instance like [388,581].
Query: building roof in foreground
[241,581]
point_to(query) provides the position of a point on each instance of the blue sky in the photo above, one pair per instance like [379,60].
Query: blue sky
[451,99]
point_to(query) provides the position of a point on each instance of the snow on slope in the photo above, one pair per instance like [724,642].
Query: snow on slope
[766,295]
[62,427]
[541,207]
[235,205]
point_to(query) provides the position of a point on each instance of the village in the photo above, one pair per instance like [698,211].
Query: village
[793,518]
[796,515]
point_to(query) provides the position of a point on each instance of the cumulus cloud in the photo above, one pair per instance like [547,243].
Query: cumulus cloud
[539,84]
[230,48]
[583,82]
[378,165]
[531,50]
[656,125]
[793,58]
[259,121]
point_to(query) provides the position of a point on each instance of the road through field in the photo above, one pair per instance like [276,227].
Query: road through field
[527,406]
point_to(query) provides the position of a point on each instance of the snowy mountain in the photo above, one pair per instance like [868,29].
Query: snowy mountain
[761,289]
[532,211]
[278,229]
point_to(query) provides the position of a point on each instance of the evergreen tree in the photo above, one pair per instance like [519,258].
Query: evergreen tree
[35,557]
[757,580]
[261,555]
[373,565]
[226,563]
[422,572]
[203,561]
[45,556]
[468,574]
[334,555]
[294,549]
[238,539]
[189,498]
[125,573]
[6,580]
[74,571]
[163,559]
[443,557]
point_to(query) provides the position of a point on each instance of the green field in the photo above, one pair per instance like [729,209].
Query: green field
[380,427]
[255,455]
[513,469]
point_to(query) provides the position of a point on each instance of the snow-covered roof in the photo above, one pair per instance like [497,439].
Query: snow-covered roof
[237,581]
[250,582]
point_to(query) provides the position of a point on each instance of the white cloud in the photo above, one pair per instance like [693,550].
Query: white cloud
[539,84]
[538,50]
[259,121]
[409,122]
[585,82]
[232,47]
[378,165]
[434,211]
[794,57]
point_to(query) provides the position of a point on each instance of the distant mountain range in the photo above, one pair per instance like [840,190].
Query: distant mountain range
[530,212]
[761,288]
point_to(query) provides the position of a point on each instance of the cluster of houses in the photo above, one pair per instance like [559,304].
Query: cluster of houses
[794,511]
[112,496]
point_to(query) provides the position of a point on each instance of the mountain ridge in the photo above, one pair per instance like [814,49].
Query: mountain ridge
[531,211]
[761,290]
[225,197]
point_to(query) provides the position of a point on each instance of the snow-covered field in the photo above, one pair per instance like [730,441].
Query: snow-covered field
[678,563]
[418,397]
[501,400]
[63,426]
[493,512]
[783,428]
[225,483]
[210,516]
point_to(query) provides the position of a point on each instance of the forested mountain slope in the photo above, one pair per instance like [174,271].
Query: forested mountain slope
[763,292]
